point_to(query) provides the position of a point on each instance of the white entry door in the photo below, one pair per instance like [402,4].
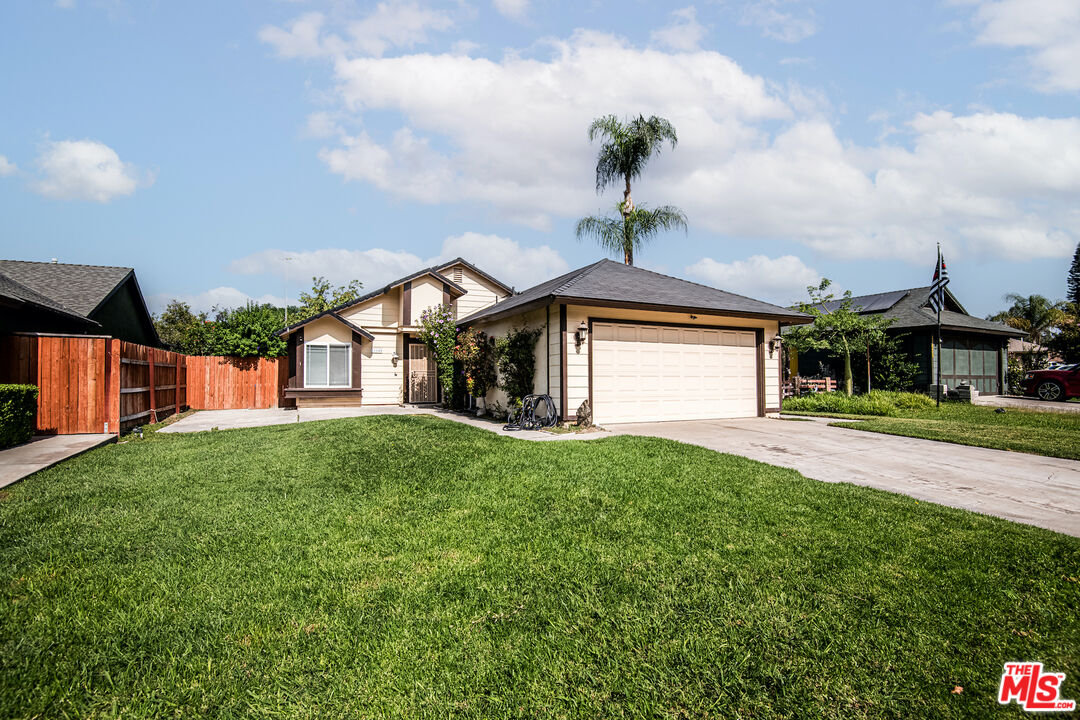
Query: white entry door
[644,373]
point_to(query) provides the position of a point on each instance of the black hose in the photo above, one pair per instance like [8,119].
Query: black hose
[526,418]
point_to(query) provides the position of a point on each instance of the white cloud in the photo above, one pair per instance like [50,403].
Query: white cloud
[515,9]
[501,257]
[779,24]
[396,23]
[1048,29]
[782,280]
[756,159]
[220,297]
[85,170]
[506,259]
[684,33]
[7,167]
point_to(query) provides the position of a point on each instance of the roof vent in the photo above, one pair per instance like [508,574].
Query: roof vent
[54,261]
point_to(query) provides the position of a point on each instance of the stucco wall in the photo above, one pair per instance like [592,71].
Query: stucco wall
[426,293]
[327,330]
[536,320]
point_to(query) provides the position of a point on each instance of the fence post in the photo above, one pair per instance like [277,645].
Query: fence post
[153,408]
[176,386]
[112,386]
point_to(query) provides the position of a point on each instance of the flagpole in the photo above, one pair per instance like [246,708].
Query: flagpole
[941,294]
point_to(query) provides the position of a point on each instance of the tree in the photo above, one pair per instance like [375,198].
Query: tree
[1034,315]
[630,232]
[438,331]
[1073,281]
[839,330]
[323,297]
[1066,341]
[248,331]
[626,150]
[516,354]
[181,330]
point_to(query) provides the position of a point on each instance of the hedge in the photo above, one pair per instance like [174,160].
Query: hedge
[18,405]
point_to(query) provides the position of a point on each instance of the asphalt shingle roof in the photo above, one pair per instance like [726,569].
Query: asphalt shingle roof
[77,289]
[616,282]
[909,309]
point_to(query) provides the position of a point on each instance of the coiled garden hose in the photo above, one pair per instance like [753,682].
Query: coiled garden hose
[526,418]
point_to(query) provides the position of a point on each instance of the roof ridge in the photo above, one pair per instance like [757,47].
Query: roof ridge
[42,262]
[578,275]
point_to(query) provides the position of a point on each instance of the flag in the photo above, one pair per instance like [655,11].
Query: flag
[937,288]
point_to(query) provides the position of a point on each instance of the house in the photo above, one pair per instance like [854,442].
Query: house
[641,346]
[39,297]
[973,350]
[367,350]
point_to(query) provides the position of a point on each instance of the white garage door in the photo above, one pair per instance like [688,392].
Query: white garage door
[649,372]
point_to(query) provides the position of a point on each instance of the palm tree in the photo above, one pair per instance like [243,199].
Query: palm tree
[1034,314]
[627,149]
[632,230]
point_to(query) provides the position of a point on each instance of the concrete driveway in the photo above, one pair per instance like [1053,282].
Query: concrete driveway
[1026,488]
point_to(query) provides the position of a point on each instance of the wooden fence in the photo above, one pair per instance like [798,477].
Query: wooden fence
[802,386]
[94,384]
[231,383]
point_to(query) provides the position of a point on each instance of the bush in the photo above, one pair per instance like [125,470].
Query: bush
[876,402]
[517,361]
[18,405]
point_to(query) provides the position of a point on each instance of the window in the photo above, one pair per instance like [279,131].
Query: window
[327,365]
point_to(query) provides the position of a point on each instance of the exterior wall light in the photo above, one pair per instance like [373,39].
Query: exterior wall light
[394,358]
[774,345]
[582,333]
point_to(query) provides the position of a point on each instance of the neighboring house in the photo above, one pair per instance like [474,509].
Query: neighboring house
[1018,346]
[367,350]
[973,350]
[73,299]
[641,346]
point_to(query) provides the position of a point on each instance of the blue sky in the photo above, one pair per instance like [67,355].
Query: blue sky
[203,142]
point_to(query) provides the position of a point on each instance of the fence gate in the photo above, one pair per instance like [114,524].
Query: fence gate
[423,383]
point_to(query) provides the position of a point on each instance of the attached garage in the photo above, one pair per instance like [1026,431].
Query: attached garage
[644,372]
[632,345]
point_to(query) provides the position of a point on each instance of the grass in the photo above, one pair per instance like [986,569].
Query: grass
[415,567]
[1041,433]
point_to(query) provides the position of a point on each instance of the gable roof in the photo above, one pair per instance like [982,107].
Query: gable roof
[493,280]
[22,295]
[77,288]
[613,283]
[910,309]
[455,290]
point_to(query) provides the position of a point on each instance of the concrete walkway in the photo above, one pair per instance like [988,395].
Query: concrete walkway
[1027,403]
[1026,488]
[44,451]
[231,419]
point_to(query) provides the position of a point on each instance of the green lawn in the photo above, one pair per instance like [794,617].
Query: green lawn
[416,567]
[1043,433]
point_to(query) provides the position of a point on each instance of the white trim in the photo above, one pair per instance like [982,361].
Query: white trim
[328,345]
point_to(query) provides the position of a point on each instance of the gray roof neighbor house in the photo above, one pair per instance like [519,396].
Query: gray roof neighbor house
[910,309]
[74,299]
[614,283]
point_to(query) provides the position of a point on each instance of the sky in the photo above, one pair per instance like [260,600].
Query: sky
[232,150]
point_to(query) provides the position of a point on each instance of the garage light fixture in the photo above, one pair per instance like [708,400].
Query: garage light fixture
[582,333]
[774,345]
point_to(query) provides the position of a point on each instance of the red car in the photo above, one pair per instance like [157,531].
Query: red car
[1060,383]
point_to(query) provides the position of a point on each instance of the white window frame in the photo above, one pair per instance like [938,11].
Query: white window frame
[328,345]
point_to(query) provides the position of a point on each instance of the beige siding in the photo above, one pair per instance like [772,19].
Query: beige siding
[535,319]
[380,311]
[426,293]
[327,330]
[381,380]
[554,363]
[480,293]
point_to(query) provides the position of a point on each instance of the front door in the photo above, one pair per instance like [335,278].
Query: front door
[423,382]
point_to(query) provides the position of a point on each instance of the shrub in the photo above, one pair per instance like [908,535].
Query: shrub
[876,402]
[18,405]
[517,361]
[476,353]
[438,331]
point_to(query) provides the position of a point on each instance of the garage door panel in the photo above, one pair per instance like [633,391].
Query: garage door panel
[649,372]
